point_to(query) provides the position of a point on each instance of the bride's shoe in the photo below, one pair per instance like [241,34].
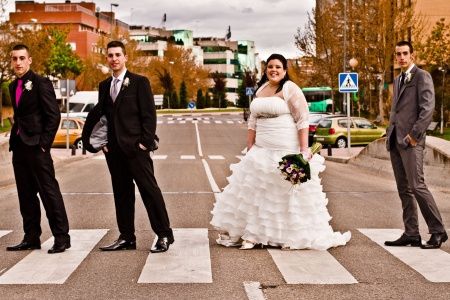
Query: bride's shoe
[227,241]
[247,245]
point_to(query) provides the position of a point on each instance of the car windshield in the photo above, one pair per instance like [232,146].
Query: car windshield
[73,107]
[315,118]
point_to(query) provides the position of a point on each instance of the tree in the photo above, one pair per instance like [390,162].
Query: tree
[200,99]
[183,95]
[166,82]
[219,96]
[174,102]
[62,60]
[248,79]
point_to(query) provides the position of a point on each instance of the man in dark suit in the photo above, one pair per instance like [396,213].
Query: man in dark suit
[36,120]
[412,111]
[127,102]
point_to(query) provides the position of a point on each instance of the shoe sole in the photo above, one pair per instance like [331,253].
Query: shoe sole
[125,248]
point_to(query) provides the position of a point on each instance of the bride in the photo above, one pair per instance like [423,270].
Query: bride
[258,206]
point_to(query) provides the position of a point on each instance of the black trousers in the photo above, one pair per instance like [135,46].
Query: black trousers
[35,173]
[139,168]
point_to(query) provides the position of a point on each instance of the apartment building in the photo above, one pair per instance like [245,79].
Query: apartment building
[85,22]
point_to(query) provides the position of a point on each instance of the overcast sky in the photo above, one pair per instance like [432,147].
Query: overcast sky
[272,24]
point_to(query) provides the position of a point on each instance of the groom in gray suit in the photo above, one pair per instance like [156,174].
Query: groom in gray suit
[411,113]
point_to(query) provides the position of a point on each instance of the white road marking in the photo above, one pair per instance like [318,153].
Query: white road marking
[216,157]
[158,157]
[187,261]
[240,157]
[187,156]
[218,122]
[182,122]
[159,122]
[137,193]
[432,264]
[212,182]
[253,290]
[39,267]
[170,122]
[4,232]
[310,267]
[99,157]
[230,122]
[206,122]
[199,144]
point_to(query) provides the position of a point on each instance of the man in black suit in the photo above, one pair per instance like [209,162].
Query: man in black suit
[127,102]
[36,120]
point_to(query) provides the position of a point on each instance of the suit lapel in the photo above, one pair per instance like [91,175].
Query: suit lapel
[405,84]
[12,93]
[122,89]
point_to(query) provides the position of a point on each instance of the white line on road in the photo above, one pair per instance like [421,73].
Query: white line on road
[230,122]
[110,193]
[39,267]
[216,157]
[182,122]
[4,232]
[158,157]
[206,122]
[199,144]
[253,290]
[310,267]
[218,122]
[170,122]
[212,182]
[159,122]
[187,156]
[434,264]
[187,261]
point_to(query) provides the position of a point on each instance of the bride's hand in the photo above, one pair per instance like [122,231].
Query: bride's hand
[306,153]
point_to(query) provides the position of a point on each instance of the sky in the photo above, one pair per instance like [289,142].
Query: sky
[271,24]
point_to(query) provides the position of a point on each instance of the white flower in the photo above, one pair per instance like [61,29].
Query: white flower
[409,77]
[28,85]
[126,82]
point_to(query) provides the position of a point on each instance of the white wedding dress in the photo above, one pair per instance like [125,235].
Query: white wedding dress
[259,205]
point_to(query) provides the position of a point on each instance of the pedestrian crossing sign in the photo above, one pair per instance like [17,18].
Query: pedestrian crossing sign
[348,82]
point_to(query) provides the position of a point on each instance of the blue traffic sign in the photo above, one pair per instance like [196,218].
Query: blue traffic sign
[249,91]
[348,82]
[191,105]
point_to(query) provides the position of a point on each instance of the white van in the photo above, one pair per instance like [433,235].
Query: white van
[81,104]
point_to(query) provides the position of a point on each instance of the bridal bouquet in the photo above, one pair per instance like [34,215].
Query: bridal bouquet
[295,168]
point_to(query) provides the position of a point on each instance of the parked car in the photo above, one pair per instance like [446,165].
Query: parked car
[81,104]
[75,126]
[333,131]
[314,119]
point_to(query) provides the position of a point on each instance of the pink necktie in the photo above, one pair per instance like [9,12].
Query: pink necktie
[18,91]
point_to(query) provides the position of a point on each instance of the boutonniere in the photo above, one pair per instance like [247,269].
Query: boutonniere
[28,85]
[409,77]
[126,82]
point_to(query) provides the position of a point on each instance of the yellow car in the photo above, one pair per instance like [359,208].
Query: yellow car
[333,131]
[75,126]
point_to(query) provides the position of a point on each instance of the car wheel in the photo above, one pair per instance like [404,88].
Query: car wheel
[78,144]
[341,142]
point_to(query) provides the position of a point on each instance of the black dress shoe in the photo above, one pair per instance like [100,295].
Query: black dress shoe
[406,240]
[162,244]
[435,241]
[120,245]
[59,247]
[24,245]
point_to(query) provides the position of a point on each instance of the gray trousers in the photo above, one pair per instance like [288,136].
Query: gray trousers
[408,170]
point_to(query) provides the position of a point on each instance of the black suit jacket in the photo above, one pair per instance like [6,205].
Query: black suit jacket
[37,117]
[132,116]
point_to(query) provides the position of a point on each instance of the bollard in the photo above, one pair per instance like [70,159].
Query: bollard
[329,150]
[83,151]
[74,150]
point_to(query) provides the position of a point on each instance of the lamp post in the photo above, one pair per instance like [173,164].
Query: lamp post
[443,70]
[353,62]
[170,79]
[115,5]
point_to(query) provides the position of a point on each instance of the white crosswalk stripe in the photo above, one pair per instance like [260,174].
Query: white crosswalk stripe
[310,267]
[431,264]
[187,261]
[4,232]
[216,157]
[39,267]
[187,156]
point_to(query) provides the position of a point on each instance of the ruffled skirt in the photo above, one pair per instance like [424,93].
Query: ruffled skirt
[258,205]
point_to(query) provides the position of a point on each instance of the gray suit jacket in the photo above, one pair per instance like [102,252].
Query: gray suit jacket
[412,108]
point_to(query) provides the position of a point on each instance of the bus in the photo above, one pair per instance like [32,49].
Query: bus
[318,98]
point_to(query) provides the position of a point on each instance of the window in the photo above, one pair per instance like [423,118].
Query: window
[343,123]
[89,107]
[326,123]
[361,123]
[69,124]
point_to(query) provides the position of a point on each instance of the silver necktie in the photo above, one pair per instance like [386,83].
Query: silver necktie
[114,89]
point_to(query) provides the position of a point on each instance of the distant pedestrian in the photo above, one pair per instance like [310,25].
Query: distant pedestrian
[411,114]
[36,121]
[126,102]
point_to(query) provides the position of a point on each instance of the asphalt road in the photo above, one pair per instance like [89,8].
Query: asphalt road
[358,199]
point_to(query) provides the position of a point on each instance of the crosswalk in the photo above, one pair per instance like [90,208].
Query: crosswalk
[189,261]
[182,157]
[199,120]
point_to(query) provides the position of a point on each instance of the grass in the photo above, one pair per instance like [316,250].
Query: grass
[6,126]
[445,136]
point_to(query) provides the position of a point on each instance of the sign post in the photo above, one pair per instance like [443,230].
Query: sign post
[67,90]
[348,83]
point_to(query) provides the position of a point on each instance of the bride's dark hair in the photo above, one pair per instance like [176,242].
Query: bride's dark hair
[283,62]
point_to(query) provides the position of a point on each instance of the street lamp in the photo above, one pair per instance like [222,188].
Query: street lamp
[443,70]
[353,62]
[170,78]
[115,5]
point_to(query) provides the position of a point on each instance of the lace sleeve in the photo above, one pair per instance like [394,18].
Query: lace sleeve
[297,104]
[252,122]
